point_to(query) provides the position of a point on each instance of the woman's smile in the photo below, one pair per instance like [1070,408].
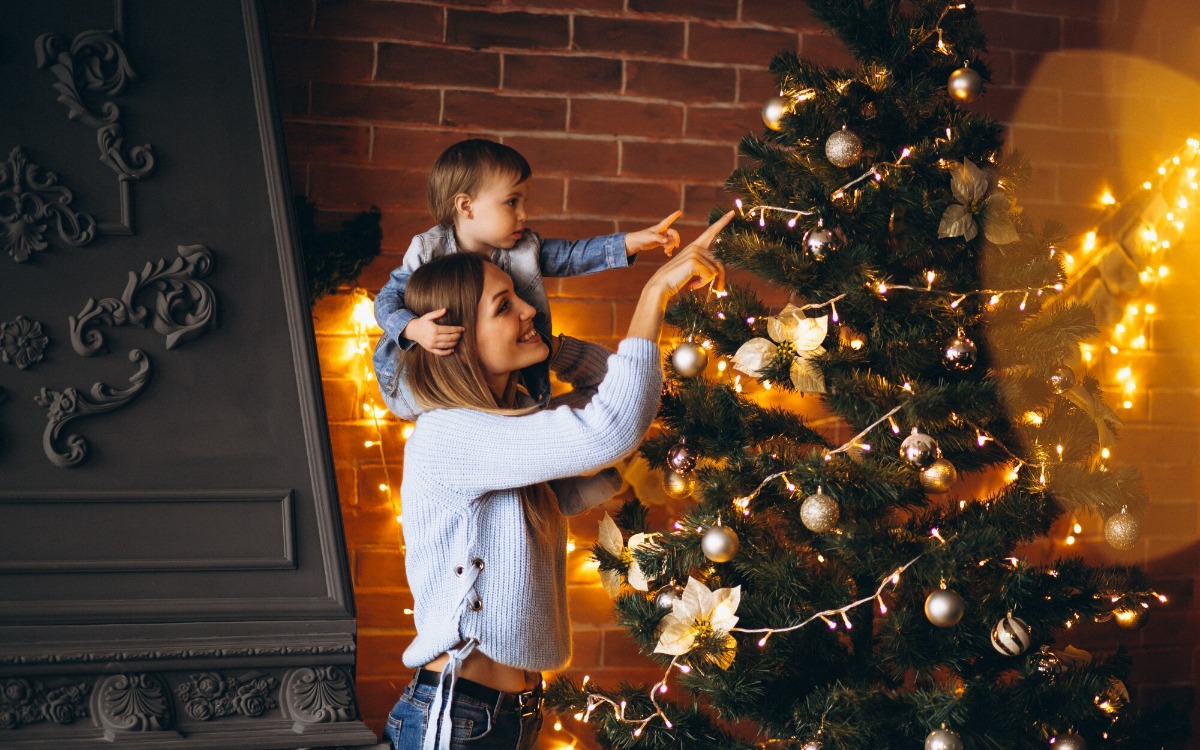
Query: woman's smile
[528,336]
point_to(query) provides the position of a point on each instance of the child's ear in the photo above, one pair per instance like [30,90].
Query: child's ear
[462,206]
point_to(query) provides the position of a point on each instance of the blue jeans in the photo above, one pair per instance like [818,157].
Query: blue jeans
[477,725]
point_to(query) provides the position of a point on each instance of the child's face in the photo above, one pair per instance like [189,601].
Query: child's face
[494,217]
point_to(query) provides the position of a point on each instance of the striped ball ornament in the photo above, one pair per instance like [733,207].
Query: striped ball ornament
[1011,636]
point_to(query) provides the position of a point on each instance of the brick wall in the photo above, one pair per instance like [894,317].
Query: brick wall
[630,109]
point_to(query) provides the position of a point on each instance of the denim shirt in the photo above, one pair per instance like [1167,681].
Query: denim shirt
[527,262]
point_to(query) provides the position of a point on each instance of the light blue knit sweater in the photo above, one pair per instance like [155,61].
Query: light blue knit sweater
[462,471]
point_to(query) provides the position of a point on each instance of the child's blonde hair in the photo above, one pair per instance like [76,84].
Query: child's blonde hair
[463,167]
[457,380]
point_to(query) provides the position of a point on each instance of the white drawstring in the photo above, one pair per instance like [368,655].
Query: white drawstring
[439,712]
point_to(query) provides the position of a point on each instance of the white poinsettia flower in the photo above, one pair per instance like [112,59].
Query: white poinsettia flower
[700,611]
[801,335]
[610,539]
[969,186]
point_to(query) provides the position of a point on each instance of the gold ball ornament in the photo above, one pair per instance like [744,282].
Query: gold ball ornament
[919,450]
[680,458]
[1068,741]
[943,739]
[773,111]
[1133,618]
[1011,636]
[1061,380]
[939,477]
[678,486]
[843,148]
[1122,530]
[965,85]
[819,512]
[666,597]
[944,608]
[689,359]
[719,544]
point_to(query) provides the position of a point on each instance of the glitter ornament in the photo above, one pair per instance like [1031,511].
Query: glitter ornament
[944,608]
[689,359]
[939,476]
[680,458]
[719,544]
[819,512]
[1061,380]
[843,148]
[1068,741]
[666,597]
[965,85]
[678,486]
[919,450]
[1133,618]
[960,352]
[811,745]
[773,111]
[1011,636]
[943,739]
[819,242]
[1122,530]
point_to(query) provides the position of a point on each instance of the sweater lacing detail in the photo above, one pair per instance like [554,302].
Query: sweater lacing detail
[439,712]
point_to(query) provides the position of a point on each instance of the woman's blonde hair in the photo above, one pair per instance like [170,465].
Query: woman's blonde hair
[462,168]
[457,380]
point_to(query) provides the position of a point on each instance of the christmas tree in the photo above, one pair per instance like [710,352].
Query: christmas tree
[871,592]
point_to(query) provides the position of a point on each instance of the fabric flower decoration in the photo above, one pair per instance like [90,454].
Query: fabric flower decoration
[610,539]
[701,612]
[969,186]
[793,335]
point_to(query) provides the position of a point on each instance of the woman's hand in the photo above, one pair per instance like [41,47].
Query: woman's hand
[691,268]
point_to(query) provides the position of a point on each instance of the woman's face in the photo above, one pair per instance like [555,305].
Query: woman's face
[504,333]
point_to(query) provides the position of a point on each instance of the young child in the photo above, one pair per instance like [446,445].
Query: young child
[477,192]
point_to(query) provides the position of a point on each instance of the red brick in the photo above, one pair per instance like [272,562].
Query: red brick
[1097,9]
[345,477]
[479,30]
[1179,48]
[547,197]
[1060,146]
[1110,37]
[379,568]
[719,10]
[755,86]
[383,610]
[618,197]
[341,398]
[467,109]
[559,73]
[1001,63]
[568,156]
[1021,30]
[827,50]
[569,228]
[587,648]
[380,652]
[323,59]
[698,200]
[438,66]
[1090,110]
[608,5]
[622,284]
[723,123]
[1083,184]
[376,527]
[380,20]
[359,187]
[289,16]
[1157,13]
[628,35]
[377,696]
[373,102]
[583,319]
[775,13]
[1174,521]
[411,147]
[589,604]
[675,82]
[312,142]
[1174,406]
[621,651]
[684,160]
[372,476]
[747,46]
[625,117]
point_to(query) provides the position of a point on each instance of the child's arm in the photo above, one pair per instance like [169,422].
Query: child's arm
[562,258]
[399,323]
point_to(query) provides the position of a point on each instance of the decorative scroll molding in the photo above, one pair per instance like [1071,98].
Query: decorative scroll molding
[22,342]
[317,695]
[184,307]
[31,200]
[166,654]
[69,405]
[96,60]
[210,696]
[133,703]
[24,702]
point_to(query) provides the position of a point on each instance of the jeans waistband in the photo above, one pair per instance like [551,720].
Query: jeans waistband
[525,703]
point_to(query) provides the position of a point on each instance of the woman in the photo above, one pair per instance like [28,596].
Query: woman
[485,537]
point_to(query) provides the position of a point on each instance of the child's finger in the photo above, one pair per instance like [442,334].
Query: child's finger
[663,225]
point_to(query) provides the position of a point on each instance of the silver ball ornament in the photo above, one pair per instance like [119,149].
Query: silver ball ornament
[719,544]
[678,486]
[939,476]
[965,85]
[960,353]
[944,608]
[1061,380]
[1068,741]
[773,111]
[1047,663]
[943,739]
[1133,618]
[1011,636]
[666,597]
[919,450]
[680,458]
[811,745]
[843,148]
[689,359]
[819,512]
[1122,530]
[819,242]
